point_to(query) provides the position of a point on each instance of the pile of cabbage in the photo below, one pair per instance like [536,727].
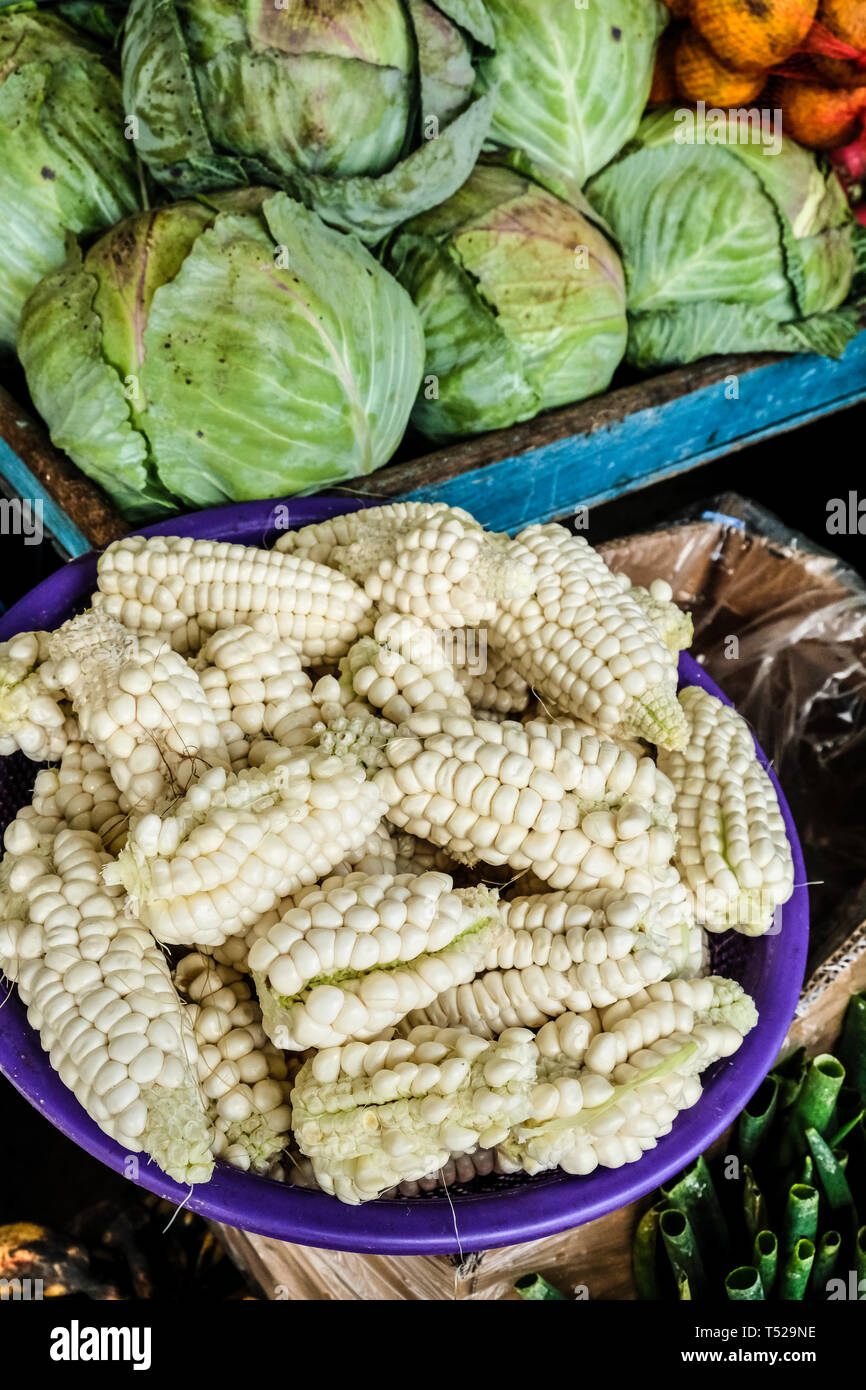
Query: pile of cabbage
[446,214]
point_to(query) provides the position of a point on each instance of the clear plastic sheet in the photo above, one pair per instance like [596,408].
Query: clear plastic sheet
[781,625]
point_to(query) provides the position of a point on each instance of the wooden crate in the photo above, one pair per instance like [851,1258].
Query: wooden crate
[578,456]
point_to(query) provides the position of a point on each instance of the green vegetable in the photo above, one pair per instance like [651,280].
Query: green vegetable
[852,1044]
[65,166]
[535,1288]
[522,298]
[745,1284]
[228,348]
[362,109]
[766,1259]
[830,1172]
[757,1117]
[682,1250]
[754,1206]
[860,1253]
[572,79]
[694,1194]
[645,1254]
[725,243]
[796,1271]
[801,1217]
[825,1261]
[814,1104]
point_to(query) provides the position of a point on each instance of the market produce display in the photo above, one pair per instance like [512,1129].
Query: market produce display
[522,298]
[66,166]
[379,1006]
[403,219]
[234,346]
[362,109]
[725,244]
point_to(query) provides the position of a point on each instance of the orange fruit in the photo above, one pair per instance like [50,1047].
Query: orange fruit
[752,35]
[821,117]
[700,75]
[846,20]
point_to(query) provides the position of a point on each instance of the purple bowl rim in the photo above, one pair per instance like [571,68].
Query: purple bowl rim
[424,1226]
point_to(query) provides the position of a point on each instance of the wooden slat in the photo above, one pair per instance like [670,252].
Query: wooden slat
[581,455]
[629,438]
[75,511]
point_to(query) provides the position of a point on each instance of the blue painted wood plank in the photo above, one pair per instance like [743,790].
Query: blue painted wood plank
[656,442]
[54,518]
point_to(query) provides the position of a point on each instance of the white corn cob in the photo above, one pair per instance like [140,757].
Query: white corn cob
[139,704]
[674,626]
[32,716]
[559,952]
[604,1099]
[416,856]
[373,1115]
[243,1077]
[377,855]
[733,851]
[82,794]
[460,1170]
[585,645]
[427,559]
[490,682]
[186,589]
[354,956]
[577,810]
[239,842]
[255,685]
[98,990]
[404,668]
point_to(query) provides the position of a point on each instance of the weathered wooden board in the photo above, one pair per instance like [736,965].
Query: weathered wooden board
[580,455]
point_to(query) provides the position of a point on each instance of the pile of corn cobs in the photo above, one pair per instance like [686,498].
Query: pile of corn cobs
[430,836]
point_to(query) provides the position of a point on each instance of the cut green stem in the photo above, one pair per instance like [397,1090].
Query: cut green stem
[534,1287]
[796,1271]
[765,1256]
[745,1285]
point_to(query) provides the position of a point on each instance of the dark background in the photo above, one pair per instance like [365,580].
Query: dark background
[43,1177]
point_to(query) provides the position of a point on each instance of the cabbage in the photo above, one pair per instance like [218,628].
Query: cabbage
[64,163]
[728,246]
[522,299]
[572,79]
[362,109]
[227,348]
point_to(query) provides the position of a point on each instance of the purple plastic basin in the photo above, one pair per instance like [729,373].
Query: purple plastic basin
[770,968]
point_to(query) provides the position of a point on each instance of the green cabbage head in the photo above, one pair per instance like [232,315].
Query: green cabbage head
[362,109]
[572,78]
[219,349]
[522,298]
[733,241]
[65,165]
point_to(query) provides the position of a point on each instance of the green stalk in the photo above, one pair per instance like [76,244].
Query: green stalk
[694,1194]
[831,1174]
[860,1253]
[757,1118]
[765,1256]
[684,1291]
[814,1105]
[682,1250]
[754,1206]
[744,1284]
[791,1074]
[801,1217]
[825,1261]
[849,1112]
[807,1171]
[535,1288]
[851,1046]
[796,1271]
[644,1254]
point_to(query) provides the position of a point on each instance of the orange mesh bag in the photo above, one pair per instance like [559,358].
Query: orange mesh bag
[749,36]
[701,76]
[821,117]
